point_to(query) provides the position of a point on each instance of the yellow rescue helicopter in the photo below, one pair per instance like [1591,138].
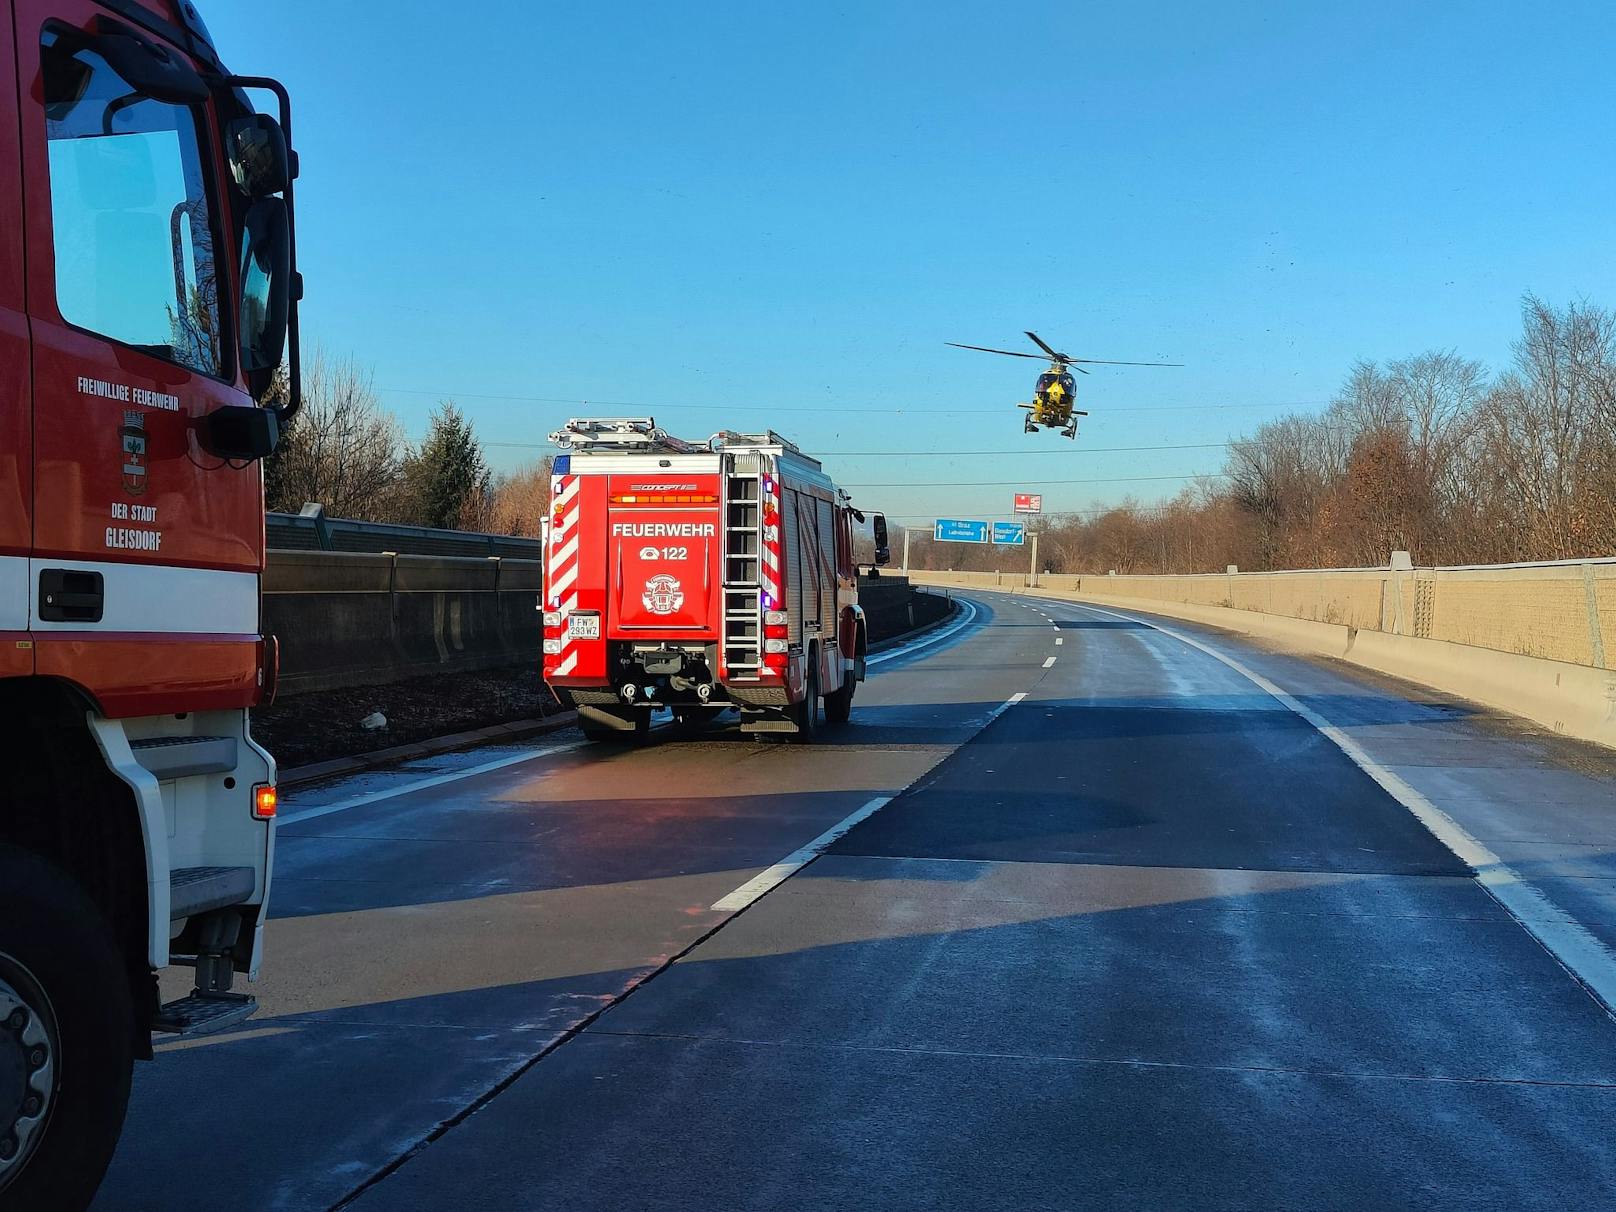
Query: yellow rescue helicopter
[1056,393]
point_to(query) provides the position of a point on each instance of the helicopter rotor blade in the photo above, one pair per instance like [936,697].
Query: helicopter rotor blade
[1009,353]
[1108,362]
[1079,369]
[1039,341]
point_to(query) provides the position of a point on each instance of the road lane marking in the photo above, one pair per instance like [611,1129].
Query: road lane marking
[1005,706]
[224,1037]
[1049,662]
[1059,641]
[454,776]
[926,642]
[437,780]
[772,877]
[1579,952]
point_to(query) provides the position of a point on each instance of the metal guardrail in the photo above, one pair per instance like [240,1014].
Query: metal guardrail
[294,532]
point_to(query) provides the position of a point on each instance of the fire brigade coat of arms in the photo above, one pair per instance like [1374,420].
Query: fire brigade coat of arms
[663,595]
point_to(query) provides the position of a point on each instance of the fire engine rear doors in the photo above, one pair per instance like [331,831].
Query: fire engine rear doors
[663,570]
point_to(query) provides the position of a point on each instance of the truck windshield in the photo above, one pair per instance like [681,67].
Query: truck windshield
[131,218]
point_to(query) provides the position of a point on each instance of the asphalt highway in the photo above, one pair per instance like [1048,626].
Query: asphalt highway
[1077,912]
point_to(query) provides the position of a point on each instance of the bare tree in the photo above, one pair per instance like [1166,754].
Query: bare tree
[343,449]
[520,499]
[1549,432]
[1423,453]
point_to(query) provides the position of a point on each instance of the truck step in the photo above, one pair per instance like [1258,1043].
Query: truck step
[193,890]
[205,1013]
[768,724]
[178,757]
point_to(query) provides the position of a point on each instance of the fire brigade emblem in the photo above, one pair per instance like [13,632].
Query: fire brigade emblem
[663,595]
[132,451]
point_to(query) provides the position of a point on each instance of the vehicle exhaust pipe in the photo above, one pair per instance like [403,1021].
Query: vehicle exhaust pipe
[629,691]
[704,692]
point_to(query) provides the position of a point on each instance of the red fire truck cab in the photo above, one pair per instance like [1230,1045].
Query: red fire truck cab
[699,577]
[147,294]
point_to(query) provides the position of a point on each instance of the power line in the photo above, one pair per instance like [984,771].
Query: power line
[952,454]
[1188,475]
[965,454]
[1091,512]
[814,408]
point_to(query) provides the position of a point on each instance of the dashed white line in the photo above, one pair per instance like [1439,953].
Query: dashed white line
[1049,662]
[1006,705]
[516,759]
[1582,954]
[1059,640]
[772,877]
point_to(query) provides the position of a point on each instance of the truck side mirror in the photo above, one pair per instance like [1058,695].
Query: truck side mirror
[883,550]
[240,432]
[266,286]
[259,160]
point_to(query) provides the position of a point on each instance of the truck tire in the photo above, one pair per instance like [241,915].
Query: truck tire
[839,706]
[67,1028]
[805,715]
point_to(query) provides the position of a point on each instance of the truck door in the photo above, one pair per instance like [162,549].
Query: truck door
[146,549]
[16,440]
[664,557]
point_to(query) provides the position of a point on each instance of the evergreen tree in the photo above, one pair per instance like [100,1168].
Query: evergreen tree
[447,479]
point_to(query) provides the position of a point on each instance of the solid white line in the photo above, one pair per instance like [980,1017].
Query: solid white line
[773,877]
[1049,662]
[1582,954]
[926,642]
[437,780]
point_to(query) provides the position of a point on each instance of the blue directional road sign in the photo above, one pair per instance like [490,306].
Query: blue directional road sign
[1013,534]
[959,530]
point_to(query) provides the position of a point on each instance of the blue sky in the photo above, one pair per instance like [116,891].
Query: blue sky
[768,211]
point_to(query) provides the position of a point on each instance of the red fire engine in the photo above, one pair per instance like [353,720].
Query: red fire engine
[699,578]
[147,293]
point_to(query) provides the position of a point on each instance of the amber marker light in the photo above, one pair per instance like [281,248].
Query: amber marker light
[264,802]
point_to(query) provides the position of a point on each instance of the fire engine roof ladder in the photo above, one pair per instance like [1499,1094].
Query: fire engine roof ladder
[728,437]
[743,582]
[622,434]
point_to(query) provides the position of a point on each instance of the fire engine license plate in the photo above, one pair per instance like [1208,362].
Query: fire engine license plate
[586,626]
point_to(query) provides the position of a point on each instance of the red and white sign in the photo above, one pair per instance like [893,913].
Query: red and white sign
[1029,502]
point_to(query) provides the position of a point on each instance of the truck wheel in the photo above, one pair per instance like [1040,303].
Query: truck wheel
[839,706]
[805,715]
[66,1038]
